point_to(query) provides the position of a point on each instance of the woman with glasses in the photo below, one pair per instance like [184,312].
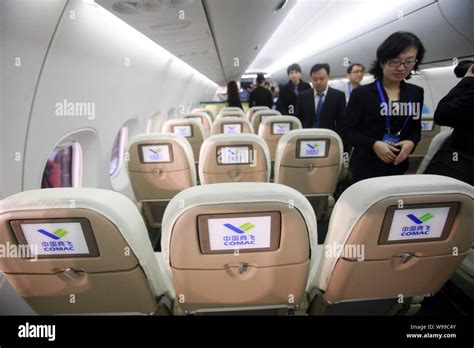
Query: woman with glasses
[383,118]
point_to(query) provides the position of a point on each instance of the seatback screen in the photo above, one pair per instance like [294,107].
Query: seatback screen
[234,154]
[231,128]
[160,153]
[223,233]
[427,126]
[281,127]
[185,131]
[56,237]
[316,148]
[418,223]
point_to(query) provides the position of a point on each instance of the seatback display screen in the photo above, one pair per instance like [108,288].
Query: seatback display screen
[160,153]
[232,128]
[234,154]
[281,128]
[317,148]
[184,131]
[222,233]
[56,237]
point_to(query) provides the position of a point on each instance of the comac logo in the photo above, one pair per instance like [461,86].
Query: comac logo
[426,125]
[281,128]
[56,235]
[420,228]
[242,228]
[242,237]
[182,131]
[235,156]
[231,129]
[235,153]
[419,221]
[59,244]
[312,149]
[156,153]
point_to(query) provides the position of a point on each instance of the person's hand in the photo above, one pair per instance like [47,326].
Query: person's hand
[470,71]
[405,151]
[384,151]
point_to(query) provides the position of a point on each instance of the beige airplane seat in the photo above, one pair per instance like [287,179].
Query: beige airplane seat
[86,252]
[239,246]
[204,118]
[391,241]
[254,109]
[310,160]
[238,113]
[259,116]
[436,144]
[230,109]
[192,130]
[214,108]
[209,112]
[272,128]
[464,276]
[234,158]
[429,130]
[231,125]
[160,166]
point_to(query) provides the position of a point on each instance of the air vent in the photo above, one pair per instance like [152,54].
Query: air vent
[125,7]
[280,6]
[171,3]
[172,26]
[149,5]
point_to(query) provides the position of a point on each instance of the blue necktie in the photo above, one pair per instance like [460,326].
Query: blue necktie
[318,110]
[295,90]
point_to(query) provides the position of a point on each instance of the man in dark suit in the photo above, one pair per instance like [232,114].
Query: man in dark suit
[286,103]
[321,106]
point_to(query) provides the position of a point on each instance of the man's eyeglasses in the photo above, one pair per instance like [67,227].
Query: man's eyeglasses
[396,63]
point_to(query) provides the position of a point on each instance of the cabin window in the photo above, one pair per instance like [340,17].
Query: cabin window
[63,167]
[118,151]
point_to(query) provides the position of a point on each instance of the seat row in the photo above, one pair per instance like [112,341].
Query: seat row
[308,160]
[239,246]
[227,122]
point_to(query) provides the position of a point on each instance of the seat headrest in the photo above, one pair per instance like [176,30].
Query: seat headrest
[217,125]
[113,206]
[436,144]
[197,126]
[231,193]
[254,109]
[295,135]
[237,139]
[154,138]
[198,115]
[265,112]
[293,121]
[208,111]
[230,108]
[363,195]
[230,114]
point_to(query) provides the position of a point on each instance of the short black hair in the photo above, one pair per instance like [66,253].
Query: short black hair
[349,69]
[392,47]
[319,66]
[260,79]
[292,67]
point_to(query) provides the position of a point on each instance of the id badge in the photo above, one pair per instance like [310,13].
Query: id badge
[390,139]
